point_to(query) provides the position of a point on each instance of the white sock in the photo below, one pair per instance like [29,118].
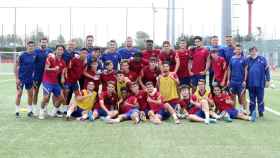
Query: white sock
[64,108]
[17,108]
[68,113]
[29,108]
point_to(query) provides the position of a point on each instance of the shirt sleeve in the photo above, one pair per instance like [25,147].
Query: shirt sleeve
[267,70]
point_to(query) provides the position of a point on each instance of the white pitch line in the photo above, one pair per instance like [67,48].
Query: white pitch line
[4,81]
[272,111]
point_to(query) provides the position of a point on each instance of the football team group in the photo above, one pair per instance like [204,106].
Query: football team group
[122,84]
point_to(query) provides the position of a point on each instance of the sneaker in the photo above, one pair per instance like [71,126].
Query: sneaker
[90,116]
[137,120]
[142,116]
[207,121]
[253,116]
[67,117]
[30,114]
[212,120]
[59,114]
[261,114]
[41,114]
[177,121]
[17,114]
[227,118]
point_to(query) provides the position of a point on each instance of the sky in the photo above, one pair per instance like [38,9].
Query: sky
[201,17]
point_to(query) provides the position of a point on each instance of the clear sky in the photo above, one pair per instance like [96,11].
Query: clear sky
[201,17]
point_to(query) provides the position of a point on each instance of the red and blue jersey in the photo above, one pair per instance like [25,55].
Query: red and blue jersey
[258,72]
[237,68]
[51,77]
[126,53]
[26,66]
[40,60]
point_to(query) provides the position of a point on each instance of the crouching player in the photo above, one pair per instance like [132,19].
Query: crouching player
[83,103]
[128,107]
[196,111]
[158,111]
[106,107]
[224,104]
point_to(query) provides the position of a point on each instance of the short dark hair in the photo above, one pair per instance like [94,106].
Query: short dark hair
[149,83]
[138,54]
[60,45]
[238,45]
[184,86]
[165,42]
[202,80]
[84,49]
[166,62]
[119,72]
[230,36]
[149,41]
[153,59]
[107,62]
[215,36]
[89,36]
[44,39]
[197,37]
[30,42]
[124,61]
[252,48]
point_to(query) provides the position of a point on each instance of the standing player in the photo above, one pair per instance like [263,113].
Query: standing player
[41,54]
[167,54]
[55,65]
[184,63]
[137,63]
[237,75]
[111,54]
[258,79]
[128,51]
[219,68]
[132,76]
[200,61]
[108,75]
[92,75]
[167,83]
[89,43]
[24,70]
[150,51]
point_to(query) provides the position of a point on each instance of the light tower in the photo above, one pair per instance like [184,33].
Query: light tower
[226,18]
[250,3]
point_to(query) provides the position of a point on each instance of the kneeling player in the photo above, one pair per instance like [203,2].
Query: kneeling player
[106,108]
[158,111]
[224,103]
[128,107]
[83,103]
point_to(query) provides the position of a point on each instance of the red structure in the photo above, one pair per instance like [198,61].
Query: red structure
[250,3]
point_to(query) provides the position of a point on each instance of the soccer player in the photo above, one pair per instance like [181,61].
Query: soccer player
[149,73]
[107,106]
[132,76]
[108,74]
[128,51]
[167,83]
[219,68]
[237,75]
[24,70]
[141,96]
[73,73]
[91,74]
[202,106]
[158,110]
[111,54]
[150,51]
[200,61]
[83,103]
[137,63]
[225,106]
[128,108]
[258,79]
[41,54]
[89,43]
[122,82]
[69,52]
[167,54]
[184,63]
[55,65]
[214,44]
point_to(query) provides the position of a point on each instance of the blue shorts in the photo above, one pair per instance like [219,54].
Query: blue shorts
[163,114]
[51,88]
[232,113]
[200,114]
[236,88]
[71,86]
[196,78]
[185,81]
[27,84]
[101,112]
[130,112]
[37,83]
[78,112]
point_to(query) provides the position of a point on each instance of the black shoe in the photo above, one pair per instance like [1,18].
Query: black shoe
[17,114]
[260,114]
[30,114]
[59,114]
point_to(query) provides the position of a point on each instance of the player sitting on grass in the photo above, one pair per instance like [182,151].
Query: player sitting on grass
[158,111]
[224,104]
[200,105]
[83,103]
[128,107]
[107,104]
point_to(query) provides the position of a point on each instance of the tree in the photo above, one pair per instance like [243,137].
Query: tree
[36,36]
[79,42]
[188,39]
[141,36]
[60,39]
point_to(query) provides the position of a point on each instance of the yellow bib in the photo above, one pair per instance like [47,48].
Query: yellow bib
[120,85]
[199,97]
[88,102]
[168,88]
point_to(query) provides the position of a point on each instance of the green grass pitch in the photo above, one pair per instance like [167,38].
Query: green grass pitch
[55,138]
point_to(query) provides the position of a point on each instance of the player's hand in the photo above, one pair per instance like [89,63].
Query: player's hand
[202,73]
[267,84]
[191,73]
[62,80]
[244,84]
[228,84]
[17,81]
[223,83]
[228,101]
[111,114]
[149,100]
[56,68]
